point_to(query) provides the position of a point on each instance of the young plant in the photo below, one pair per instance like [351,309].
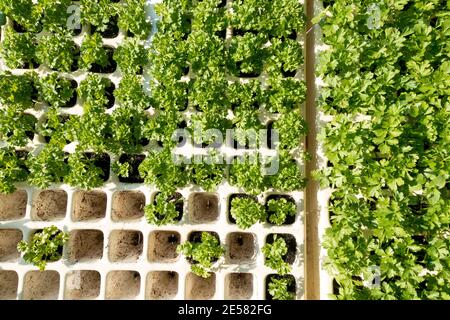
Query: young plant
[285,95]
[45,246]
[286,56]
[131,94]
[56,91]
[206,175]
[279,288]
[288,176]
[97,13]
[202,253]
[247,211]
[18,50]
[92,52]
[160,169]
[248,174]
[12,170]
[83,173]
[209,127]
[131,56]
[133,19]
[16,127]
[248,125]
[209,17]
[169,59]
[128,133]
[57,51]
[212,50]
[93,90]
[17,90]
[48,166]
[164,210]
[92,130]
[279,210]
[291,129]
[274,255]
[24,12]
[54,14]
[246,54]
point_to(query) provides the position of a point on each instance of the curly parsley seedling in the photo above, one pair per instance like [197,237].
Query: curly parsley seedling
[203,253]
[274,254]
[46,246]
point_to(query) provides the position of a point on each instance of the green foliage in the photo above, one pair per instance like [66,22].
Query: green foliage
[12,170]
[279,209]
[285,95]
[129,130]
[279,288]
[93,90]
[175,16]
[286,55]
[274,254]
[387,147]
[246,54]
[15,126]
[248,173]
[16,90]
[131,94]
[164,210]
[44,247]
[206,174]
[23,12]
[54,14]
[93,52]
[291,129]
[18,49]
[209,17]
[212,50]
[160,169]
[56,51]
[276,17]
[92,130]
[132,18]
[48,166]
[131,56]
[83,173]
[168,59]
[55,90]
[202,253]
[289,176]
[97,13]
[247,211]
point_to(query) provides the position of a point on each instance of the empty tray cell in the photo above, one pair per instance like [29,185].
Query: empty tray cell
[82,284]
[203,207]
[238,286]
[49,205]
[241,247]
[13,206]
[125,245]
[41,285]
[122,284]
[162,246]
[85,245]
[9,238]
[161,285]
[8,284]
[128,205]
[198,288]
[89,205]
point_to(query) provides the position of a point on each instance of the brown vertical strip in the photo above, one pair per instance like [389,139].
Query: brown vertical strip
[312,249]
